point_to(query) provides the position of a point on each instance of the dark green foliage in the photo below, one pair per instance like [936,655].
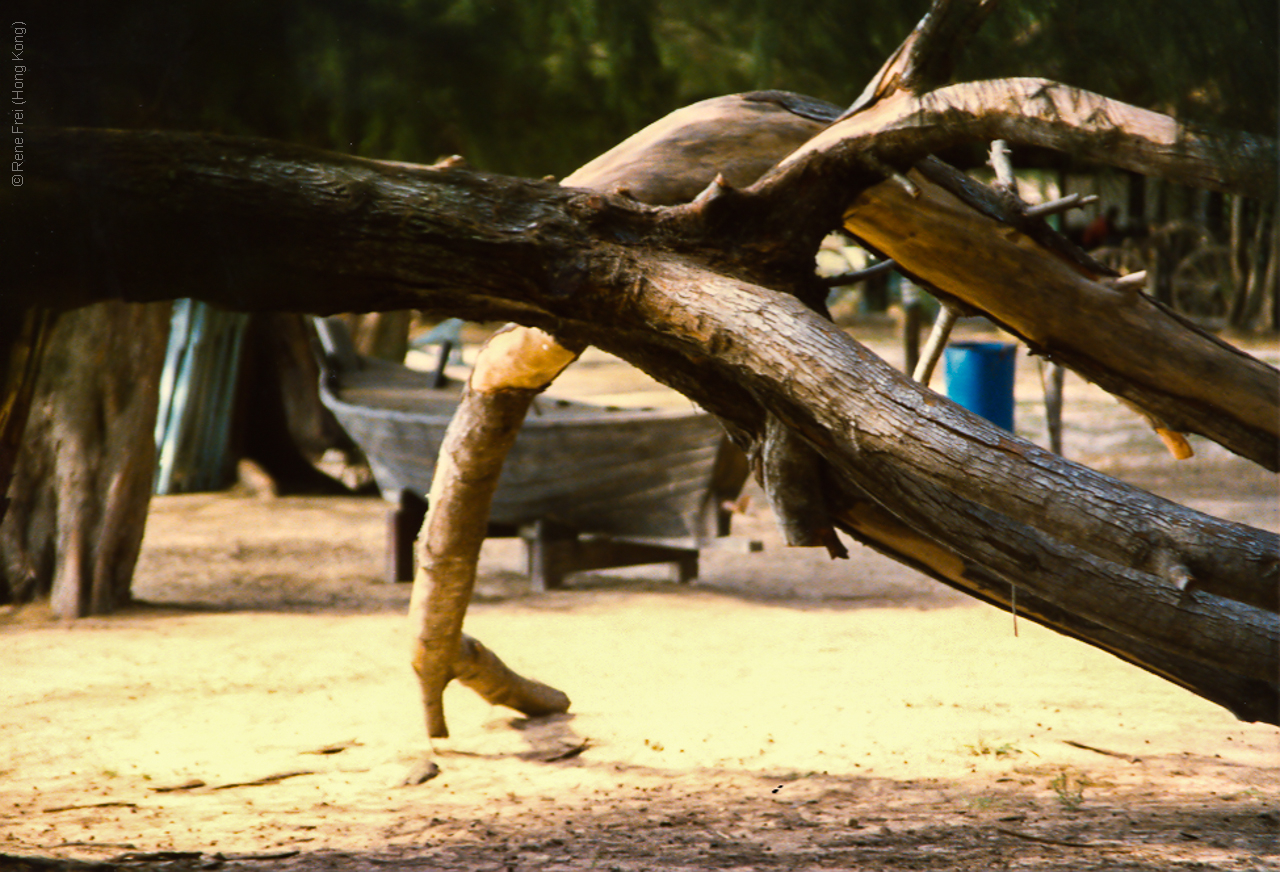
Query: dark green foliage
[1209,63]
[539,86]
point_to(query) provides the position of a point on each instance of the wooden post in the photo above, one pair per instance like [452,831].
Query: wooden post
[548,554]
[910,326]
[553,550]
[404,520]
[1053,382]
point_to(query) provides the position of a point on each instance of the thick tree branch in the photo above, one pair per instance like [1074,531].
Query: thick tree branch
[904,128]
[1184,379]
[960,512]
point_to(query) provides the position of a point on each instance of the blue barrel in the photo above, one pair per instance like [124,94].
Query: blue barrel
[979,376]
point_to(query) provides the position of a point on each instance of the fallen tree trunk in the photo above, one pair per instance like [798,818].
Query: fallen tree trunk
[216,233]
[678,292]
[663,163]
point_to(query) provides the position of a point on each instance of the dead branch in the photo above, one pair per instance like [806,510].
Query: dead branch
[514,366]
[638,281]
[1115,336]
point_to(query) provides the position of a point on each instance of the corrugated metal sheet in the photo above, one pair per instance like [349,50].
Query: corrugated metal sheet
[197,392]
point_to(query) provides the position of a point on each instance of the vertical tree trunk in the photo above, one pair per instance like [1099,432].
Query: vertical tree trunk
[82,485]
[23,337]
[280,422]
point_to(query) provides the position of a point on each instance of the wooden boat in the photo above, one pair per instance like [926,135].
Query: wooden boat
[609,473]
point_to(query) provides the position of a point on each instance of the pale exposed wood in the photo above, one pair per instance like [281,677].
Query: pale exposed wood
[935,344]
[1062,204]
[484,672]
[519,357]
[479,437]
[925,59]
[673,159]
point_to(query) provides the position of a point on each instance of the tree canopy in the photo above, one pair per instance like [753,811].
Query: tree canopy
[540,86]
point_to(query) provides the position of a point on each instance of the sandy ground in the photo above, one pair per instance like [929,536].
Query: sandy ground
[257,712]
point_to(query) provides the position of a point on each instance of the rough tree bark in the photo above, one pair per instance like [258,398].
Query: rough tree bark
[23,337]
[708,297]
[84,472]
[656,164]
[279,421]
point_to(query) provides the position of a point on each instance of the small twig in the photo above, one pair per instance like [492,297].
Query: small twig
[1044,840]
[1062,204]
[858,275]
[1133,278]
[90,805]
[1129,757]
[186,785]
[269,779]
[250,858]
[335,748]
[568,753]
[156,856]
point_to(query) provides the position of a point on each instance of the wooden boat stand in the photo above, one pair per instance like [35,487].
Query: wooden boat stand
[552,550]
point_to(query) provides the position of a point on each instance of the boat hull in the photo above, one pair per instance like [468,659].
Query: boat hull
[621,472]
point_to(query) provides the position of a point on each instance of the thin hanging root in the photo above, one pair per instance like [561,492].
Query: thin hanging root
[1176,443]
